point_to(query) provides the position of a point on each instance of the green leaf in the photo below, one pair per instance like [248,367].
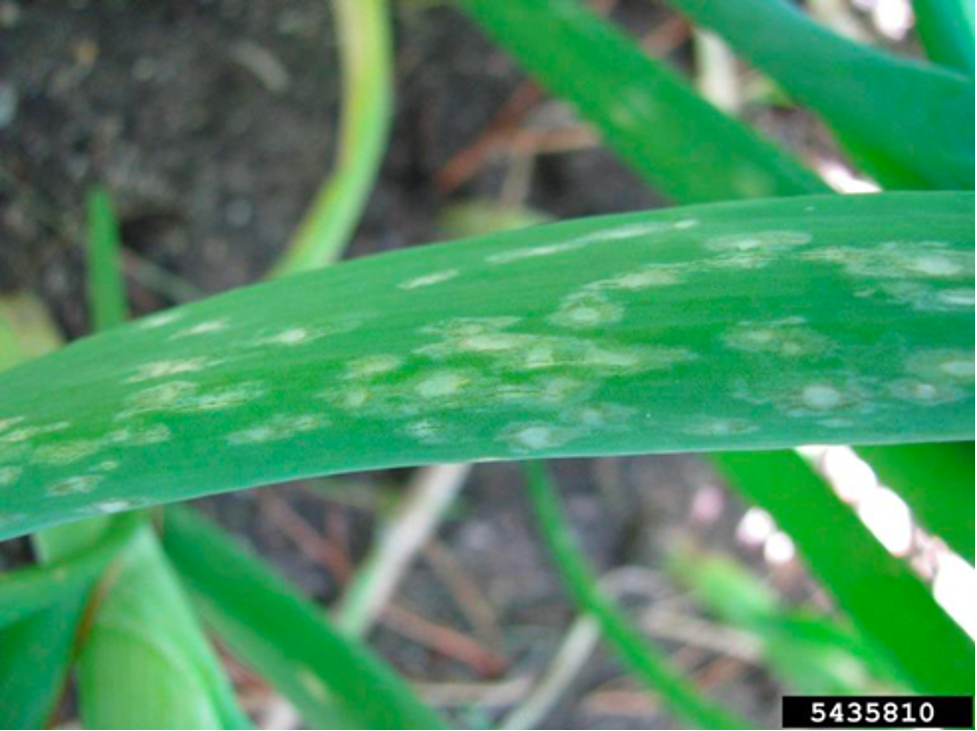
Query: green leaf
[27,591]
[284,636]
[946,28]
[35,655]
[106,286]
[910,124]
[167,675]
[936,480]
[647,662]
[888,604]
[145,662]
[746,325]
[811,652]
[652,118]
[363,35]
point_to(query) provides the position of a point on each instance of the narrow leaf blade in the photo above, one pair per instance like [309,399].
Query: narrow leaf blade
[363,35]
[946,28]
[654,121]
[647,662]
[284,635]
[910,124]
[889,605]
[936,480]
[106,285]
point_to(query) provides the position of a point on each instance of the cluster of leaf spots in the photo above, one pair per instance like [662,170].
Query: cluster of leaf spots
[927,276]
[789,337]
[541,379]
[486,364]
[279,428]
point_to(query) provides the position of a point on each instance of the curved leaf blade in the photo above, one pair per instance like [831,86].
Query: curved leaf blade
[946,28]
[363,34]
[625,334]
[910,124]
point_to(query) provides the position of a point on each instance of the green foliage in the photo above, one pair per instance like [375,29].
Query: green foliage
[363,32]
[286,637]
[145,662]
[909,124]
[936,480]
[734,326]
[649,663]
[29,590]
[946,28]
[106,285]
[572,355]
[812,653]
[656,122]
[908,629]
[35,654]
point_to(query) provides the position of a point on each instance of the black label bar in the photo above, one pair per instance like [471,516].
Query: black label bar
[859,711]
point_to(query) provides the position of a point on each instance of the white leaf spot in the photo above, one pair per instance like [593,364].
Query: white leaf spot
[428,279]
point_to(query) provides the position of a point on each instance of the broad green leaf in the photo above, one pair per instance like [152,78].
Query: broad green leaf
[648,662]
[888,604]
[35,655]
[910,124]
[811,652]
[746,325]
[106,285]
[284,636]
[652,118]
[937,481]
[363,35]
[946,28]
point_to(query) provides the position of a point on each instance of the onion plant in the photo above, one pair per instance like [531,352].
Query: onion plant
[759,314]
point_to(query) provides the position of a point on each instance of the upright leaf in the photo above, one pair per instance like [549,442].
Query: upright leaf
[652,118]
[284,636]
[910,124]
[908,627]
[363,35]
[106,285]
[808,649]
[146,664]
[648,663]
[937,481]
[946,28]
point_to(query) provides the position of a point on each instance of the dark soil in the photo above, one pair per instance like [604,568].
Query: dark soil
[212,123]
